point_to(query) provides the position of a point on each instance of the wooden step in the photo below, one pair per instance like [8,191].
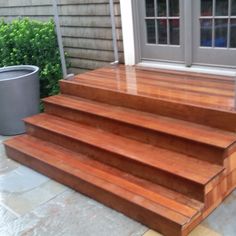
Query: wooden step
[210,91]
[203,142]
[171,169]
[136,99]
[166,211]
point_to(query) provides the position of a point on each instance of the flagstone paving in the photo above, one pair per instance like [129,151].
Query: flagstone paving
[33,204]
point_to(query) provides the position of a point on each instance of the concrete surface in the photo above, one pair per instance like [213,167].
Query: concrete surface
[32,204]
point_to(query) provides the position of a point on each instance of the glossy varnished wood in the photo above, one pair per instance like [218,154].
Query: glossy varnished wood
[158,146]
[156,164]
[202,142]
[211,91]
[134,88]
[135,197]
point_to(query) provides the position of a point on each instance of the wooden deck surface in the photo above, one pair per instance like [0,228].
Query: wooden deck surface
[142,142]
[191,88]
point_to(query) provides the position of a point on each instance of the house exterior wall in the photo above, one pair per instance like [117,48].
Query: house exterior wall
[85,27]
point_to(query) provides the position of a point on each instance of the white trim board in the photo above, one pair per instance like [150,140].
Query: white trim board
[128,31]
[197,69]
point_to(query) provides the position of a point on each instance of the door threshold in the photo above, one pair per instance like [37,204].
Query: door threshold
[230,72]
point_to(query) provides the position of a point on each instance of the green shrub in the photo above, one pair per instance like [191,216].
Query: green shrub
[25,41]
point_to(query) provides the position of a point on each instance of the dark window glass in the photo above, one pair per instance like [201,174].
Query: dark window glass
[221,28]
[221,8]
[151,31]
[150,9]
[174,32]
[206,33]
[233,33]
[174,7]
[206,7]
[233,7]
[161,7]
[162,31]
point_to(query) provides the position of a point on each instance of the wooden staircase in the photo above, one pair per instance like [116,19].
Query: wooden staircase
[167,163]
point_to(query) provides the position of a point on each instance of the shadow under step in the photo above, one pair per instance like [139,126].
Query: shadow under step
[166,211]
[176,171]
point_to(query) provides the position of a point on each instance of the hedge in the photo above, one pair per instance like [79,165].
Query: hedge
[25,41]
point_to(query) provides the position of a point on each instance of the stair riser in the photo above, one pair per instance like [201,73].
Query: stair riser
[117,202]
[139,169]
[225,186]
[198,150]
[200,115]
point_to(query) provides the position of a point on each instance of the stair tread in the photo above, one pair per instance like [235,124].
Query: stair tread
[184,129]
[167,94]
[162,201]
[181,165]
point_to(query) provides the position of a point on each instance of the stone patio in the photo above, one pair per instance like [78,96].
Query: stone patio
[32,204]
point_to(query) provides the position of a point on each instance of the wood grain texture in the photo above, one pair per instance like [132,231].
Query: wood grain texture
[157,146]
[200,141]
[70,169]
[134,88]
[156,164]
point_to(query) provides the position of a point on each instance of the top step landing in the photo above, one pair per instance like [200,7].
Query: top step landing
[192,97]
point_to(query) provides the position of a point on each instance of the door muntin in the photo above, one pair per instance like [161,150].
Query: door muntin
[215,35]
[161,29]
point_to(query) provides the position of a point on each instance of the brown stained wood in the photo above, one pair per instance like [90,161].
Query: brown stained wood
[143,83]
[197,99]
[209,116]
[199,133]
[186,206]
[230,163]
[156,164]
[55,161]
[203,142]
[214,198]
[211,84]
[225,186]
[163,90]
[158,146]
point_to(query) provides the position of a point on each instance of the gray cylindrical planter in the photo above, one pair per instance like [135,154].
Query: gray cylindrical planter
[19,97]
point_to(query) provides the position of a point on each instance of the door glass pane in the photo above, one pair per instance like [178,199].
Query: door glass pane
[206,7]
[150,8]
[174,7]
[221,27]
[161,8]
[174,32]
[233,33]
[233,8]
[206,32]
[151,31]
[162,31]
[221,8]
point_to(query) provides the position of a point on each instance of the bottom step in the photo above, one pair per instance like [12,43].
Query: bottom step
[159,208]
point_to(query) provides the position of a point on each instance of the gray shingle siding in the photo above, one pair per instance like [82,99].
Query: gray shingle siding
[85,26]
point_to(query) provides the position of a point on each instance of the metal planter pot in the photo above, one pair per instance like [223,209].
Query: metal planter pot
[19,97]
